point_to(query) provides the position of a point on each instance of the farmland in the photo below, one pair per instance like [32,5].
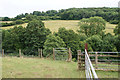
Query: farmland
[54,25]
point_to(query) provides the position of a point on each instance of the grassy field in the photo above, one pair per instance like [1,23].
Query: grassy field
[24,25]
[54,25]
[14,67]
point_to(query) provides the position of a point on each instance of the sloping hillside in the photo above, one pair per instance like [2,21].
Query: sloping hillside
[54,25]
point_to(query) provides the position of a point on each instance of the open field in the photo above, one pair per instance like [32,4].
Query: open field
[68,24]
[6,21]
[14,67]
[54,25]
[24,25]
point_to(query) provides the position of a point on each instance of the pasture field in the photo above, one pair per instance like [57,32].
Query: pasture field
[6,21]
[14,67]
[24,25]
[54,25]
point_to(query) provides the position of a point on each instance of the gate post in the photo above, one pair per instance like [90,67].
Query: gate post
[70,55]
[19,52]
[38,52]
[81,61]
[41,53]
[86,47]
[2,52]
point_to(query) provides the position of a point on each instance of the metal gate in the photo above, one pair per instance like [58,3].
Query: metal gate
[61,53]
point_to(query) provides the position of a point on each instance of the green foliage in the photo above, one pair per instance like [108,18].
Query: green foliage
[109,14]
[31,17]
[28,39]
[82,37]
[67,35]
[52,42]
[76,14]
[74,59]
[108,43]
[117,42]
[72,40]
[95,42]
[117,37]
[92,26]
[116,30]
[19,22]
[114,21]
[13,39]
[12,23]
[19,16]
[6,19]
[35,36]
[6,24]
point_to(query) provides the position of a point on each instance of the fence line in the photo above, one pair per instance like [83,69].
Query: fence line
[20,54]
[106,62]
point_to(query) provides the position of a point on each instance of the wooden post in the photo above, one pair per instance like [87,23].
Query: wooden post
[19,52]
[41,53]
[96,60]
[86,47]
[38,52]
[53,54]
[2,52]
[70,55]
[79,59]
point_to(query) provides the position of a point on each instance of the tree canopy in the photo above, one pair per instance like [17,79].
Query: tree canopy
[52,42]
[92,26]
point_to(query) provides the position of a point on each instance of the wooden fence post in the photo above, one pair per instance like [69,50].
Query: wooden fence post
[41,53]
[53,54]
[86,47]
[19,52]
[70,55]
[96,60]
[2,52]
[38,52]
[79,59]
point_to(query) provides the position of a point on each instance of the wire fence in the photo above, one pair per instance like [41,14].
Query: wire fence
[20,53]
[89,69]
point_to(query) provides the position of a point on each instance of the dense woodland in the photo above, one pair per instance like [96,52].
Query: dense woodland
[109,14]
[35,35]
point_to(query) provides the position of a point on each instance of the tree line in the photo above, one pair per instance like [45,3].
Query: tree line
[35,36]
[109,14]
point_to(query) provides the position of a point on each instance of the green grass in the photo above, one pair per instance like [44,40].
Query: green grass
[38,68]
[107,74]
[54,25]
[14,67]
